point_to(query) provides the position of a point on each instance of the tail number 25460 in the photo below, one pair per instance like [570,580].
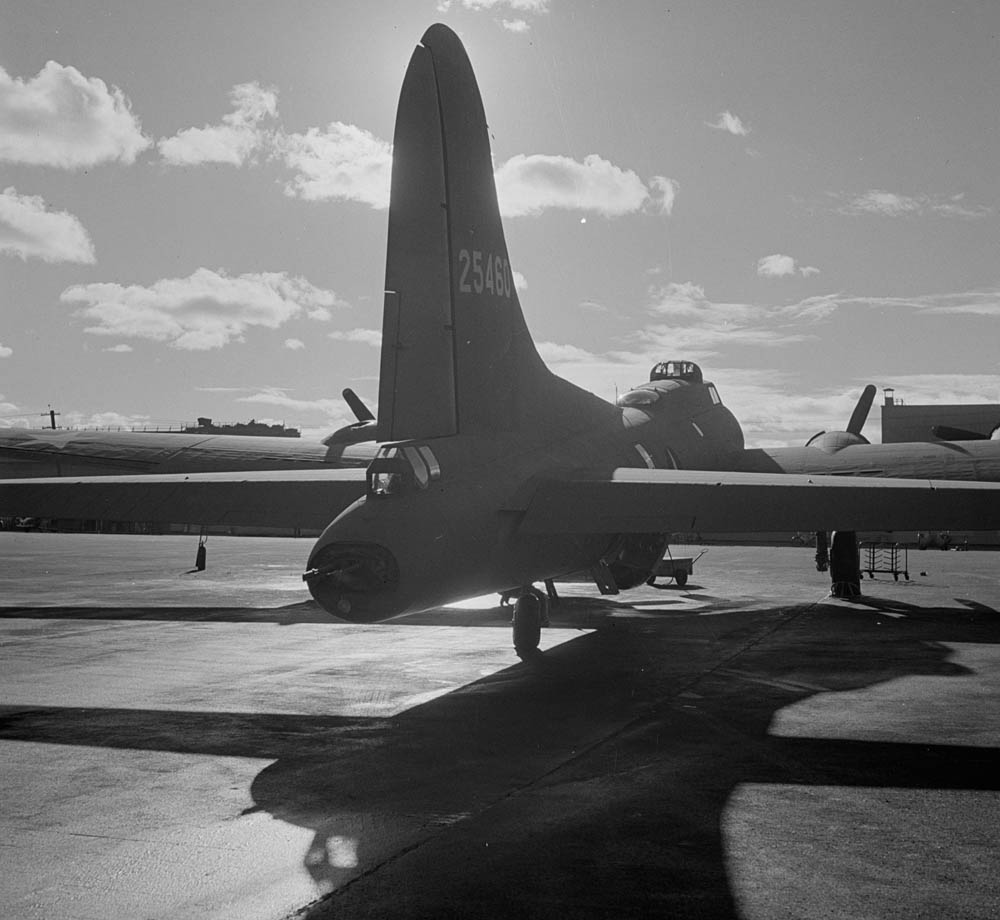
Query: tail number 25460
[483,271]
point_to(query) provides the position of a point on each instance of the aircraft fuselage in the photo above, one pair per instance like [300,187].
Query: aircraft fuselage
[455,533]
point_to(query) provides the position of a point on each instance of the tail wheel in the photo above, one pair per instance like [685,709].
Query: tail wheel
[527,625]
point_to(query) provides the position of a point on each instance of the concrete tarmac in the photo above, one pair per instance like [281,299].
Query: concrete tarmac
[213,745]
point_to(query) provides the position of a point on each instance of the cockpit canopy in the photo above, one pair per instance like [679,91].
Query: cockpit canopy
[676,370]
[668,377]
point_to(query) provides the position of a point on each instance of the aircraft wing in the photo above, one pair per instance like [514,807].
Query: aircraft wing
[29,453]
[20,449]
[308,499]
[662,501]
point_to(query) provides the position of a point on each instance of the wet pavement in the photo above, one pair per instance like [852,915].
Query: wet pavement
[177,744]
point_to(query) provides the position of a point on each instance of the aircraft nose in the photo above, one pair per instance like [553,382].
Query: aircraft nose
[355,581]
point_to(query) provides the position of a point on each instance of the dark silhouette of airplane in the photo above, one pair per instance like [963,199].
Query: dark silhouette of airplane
[493,473]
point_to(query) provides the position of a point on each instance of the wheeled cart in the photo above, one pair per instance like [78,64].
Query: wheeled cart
[677,567]
[885,558]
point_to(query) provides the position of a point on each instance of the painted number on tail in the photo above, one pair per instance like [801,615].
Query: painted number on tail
[482,271]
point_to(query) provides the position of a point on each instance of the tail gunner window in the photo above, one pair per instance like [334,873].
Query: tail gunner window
[396,469]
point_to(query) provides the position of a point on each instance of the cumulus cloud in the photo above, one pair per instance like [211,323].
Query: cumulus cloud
[662,193]
[108,419]
[689,323]
[776,266]
[347,163]
[236,140]
[270,395]
[891,204]
[955,207]
[528,185]
[278,396]
[876,201]
[335,410]
[517,6]
[520,282]
[5,352]
[206,310]
[119,349]
[12,415]
[976,303]
[781,266]
[343,162]
[62,118]
[515,25]
[729,123]
[29,230]
[947,388]
[371,337]
[294,344]
[776,409]
[595,306]
[553,353]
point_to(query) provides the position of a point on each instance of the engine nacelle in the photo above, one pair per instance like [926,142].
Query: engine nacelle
[634,558]
[832,441]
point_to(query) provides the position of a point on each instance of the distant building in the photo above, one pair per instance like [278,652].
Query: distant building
[253,427]
[917,423]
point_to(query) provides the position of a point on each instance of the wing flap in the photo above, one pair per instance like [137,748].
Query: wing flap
[308,499]
[659,501]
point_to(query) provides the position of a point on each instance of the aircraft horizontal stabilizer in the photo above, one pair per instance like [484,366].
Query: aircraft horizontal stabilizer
[307,499]
[661,501]
[951,433]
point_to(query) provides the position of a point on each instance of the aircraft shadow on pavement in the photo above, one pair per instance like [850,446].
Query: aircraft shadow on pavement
[302,612]
[286,615]
[569,613]
[589,783]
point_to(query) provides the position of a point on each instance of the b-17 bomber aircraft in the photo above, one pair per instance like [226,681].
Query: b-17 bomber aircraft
[491,472]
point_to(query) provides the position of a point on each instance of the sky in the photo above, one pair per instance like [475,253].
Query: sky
[801,196]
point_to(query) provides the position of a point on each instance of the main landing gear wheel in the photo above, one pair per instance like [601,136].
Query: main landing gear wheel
[681,578]
[527,625]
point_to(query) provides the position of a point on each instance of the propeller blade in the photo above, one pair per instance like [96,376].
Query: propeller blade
[361,412]
[860,414]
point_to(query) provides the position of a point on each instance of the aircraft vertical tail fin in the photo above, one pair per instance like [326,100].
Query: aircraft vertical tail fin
[457,356]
